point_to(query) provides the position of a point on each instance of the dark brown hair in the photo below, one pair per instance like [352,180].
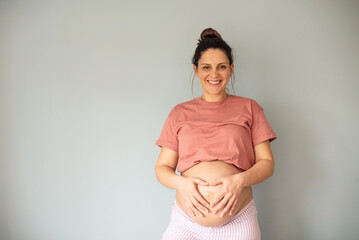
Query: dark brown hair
[210,38]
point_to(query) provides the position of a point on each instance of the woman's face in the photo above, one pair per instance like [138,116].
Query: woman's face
[213,72]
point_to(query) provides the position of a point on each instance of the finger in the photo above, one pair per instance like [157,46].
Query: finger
[216,182]
[216,200]
[222,204]
[233,206]
[196,210]
[200,199]
[228,206]
[200,181]
[199,206]
[190,208]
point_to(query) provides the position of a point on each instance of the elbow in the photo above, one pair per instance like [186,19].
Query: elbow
[160,170]
[272,169]
[157,172]
[269,167]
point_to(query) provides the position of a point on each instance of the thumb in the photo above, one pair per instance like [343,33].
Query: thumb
[216,182]
[200,181]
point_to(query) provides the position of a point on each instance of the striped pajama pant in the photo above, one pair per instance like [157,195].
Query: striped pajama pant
[243,226]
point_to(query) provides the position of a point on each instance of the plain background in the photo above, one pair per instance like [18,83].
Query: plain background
[86,87]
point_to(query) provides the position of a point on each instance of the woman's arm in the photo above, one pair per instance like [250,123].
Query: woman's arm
[234,184]
[165,168]
[165,174]
[263,167]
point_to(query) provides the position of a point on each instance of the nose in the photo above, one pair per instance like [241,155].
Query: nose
[214,73]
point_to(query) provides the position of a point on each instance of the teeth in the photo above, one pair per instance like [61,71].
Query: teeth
[214,82]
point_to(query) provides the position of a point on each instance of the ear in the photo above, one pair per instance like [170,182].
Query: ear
[195,70]
[232,68]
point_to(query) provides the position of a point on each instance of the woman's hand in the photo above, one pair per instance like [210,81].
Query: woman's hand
[194,201]
[228,196]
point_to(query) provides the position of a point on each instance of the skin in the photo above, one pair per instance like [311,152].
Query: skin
[214,65]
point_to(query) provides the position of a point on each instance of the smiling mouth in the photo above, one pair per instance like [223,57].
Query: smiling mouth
[214,82]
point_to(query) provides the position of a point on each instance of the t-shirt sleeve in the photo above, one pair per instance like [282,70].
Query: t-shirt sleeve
[168,136]
[261,130]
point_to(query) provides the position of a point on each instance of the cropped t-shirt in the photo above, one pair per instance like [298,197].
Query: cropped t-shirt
[226,130]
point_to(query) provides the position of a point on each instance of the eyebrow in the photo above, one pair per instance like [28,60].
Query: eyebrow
[210,64]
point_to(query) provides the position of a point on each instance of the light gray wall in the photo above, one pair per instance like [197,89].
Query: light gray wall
[86,86]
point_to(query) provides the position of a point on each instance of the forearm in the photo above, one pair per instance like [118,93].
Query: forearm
[260,171]
[167,177]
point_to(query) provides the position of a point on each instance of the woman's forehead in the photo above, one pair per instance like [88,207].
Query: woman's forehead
[213,56]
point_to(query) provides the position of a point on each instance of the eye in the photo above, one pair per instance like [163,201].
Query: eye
[205,67]
[223,67]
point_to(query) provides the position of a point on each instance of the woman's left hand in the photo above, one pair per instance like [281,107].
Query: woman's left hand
[228,196]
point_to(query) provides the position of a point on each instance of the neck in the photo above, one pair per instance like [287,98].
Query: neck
[214,98]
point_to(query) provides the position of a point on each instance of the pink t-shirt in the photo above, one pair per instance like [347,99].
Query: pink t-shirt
[226,130]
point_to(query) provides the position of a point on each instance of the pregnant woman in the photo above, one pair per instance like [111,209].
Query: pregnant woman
[220,145]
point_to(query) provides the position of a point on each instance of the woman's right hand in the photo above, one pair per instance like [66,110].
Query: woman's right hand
[194,201]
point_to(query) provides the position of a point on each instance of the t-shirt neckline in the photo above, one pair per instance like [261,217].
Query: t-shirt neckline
[206,103]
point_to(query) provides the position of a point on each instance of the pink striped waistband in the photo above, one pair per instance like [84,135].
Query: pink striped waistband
[247,211]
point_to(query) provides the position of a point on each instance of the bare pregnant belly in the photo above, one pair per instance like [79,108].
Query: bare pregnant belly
[210,171]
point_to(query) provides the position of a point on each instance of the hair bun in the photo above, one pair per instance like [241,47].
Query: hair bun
[209,33]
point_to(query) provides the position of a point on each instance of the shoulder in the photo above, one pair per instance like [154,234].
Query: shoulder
[243,99]
[189,104]
[179,108]
[248,103]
